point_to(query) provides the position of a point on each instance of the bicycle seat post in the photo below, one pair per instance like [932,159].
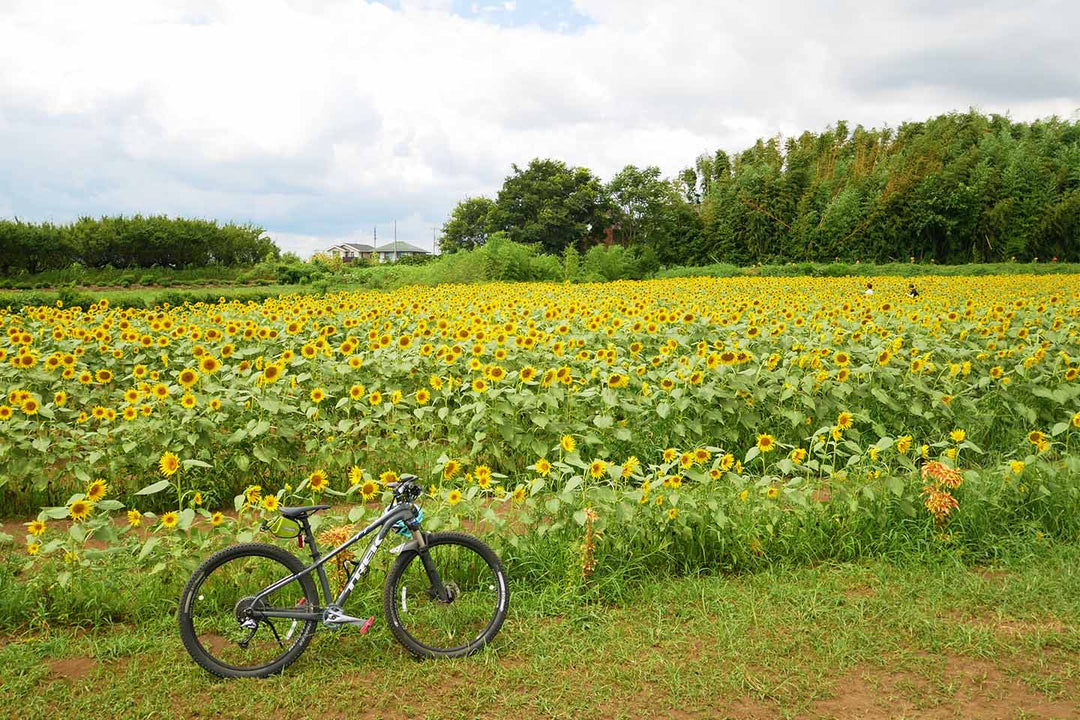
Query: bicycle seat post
[309,538]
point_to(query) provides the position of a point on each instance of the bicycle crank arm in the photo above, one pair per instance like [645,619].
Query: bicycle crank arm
[336,617]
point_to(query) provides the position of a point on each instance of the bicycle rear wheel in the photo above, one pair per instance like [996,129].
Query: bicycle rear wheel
[444,627]
[211,614]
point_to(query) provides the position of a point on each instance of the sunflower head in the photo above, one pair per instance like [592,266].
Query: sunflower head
[317,481]
[356,475]
[80,509]
[168,464]
[187,377]
[96,491]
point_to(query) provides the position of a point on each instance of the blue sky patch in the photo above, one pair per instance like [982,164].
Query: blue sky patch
[552,15]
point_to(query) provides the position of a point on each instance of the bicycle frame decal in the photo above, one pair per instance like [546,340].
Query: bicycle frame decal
[385,522]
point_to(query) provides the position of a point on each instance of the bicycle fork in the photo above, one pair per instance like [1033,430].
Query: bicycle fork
[418,542]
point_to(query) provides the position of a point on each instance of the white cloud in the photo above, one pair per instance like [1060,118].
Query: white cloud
[321,119]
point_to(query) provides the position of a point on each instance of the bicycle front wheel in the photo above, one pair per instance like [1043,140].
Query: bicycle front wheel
[469,612]
[214,625]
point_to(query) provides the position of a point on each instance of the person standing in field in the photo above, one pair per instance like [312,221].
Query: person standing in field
[869,289]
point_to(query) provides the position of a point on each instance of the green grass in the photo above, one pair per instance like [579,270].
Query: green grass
[871,640]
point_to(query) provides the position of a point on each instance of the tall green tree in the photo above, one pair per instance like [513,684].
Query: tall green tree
[469,225]
[649,211]
[551,205]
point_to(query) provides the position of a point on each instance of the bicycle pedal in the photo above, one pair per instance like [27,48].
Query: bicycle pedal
[367,625]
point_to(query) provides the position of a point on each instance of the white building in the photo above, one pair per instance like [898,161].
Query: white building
[348,252]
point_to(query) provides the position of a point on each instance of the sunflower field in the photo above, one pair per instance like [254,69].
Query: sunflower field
[693,422]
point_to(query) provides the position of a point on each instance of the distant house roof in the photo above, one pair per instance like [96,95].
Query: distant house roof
[355,247]
[401,247]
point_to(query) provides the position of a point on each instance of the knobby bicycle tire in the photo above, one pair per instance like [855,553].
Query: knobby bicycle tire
[188,632]
[395,605]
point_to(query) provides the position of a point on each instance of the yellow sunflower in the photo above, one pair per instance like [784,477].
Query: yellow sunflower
[80,509]
[317,481]
[356,475]
[187,378]
[168,464]
[368,490]
[96,491]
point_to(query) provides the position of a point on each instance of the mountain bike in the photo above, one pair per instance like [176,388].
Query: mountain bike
[250,610]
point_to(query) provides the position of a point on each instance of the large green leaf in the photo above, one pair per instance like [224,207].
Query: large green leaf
[154,488]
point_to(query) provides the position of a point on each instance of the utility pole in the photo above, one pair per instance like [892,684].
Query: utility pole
[395,241]
[375,241]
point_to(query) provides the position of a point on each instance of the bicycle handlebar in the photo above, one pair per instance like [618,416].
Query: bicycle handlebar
[406,488]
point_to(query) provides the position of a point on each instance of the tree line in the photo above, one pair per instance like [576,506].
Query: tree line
[128,242]
[960,187]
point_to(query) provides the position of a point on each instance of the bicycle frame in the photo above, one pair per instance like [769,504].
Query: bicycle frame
[404,512]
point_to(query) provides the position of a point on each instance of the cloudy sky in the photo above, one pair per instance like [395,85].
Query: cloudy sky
[321,119]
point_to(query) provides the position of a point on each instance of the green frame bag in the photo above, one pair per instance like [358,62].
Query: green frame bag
[283,527]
